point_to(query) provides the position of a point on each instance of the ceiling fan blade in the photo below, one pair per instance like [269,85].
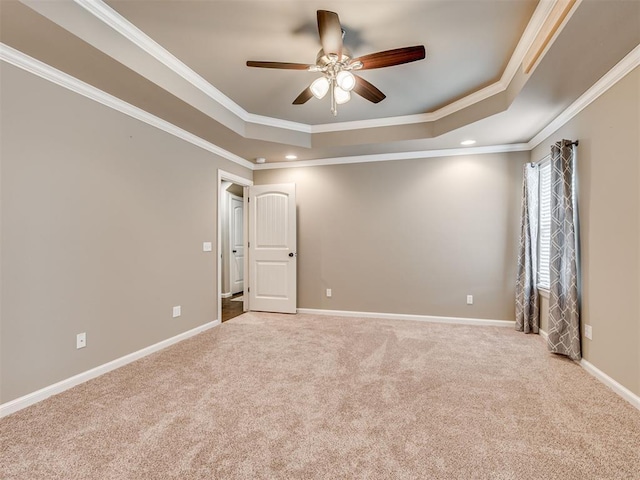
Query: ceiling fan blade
[303,97]
[368,91]
[282,65]
[330,32]
[388,58]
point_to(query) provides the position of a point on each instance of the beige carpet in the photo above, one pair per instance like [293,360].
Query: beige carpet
[310,397]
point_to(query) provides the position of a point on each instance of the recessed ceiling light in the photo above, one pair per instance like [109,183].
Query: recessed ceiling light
[468,142]
[291,157]
[261,160]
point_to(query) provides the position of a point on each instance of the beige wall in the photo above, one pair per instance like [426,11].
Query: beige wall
[103,219]
[410,237]
[609,203]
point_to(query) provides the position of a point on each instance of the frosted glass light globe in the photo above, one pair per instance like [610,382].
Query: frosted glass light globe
[345,80]
[320,87]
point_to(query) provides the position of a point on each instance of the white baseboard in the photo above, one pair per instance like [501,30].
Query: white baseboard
[621,390]
[226,295]
[404,316]
[39,395]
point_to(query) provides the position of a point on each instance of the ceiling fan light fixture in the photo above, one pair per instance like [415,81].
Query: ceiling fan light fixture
[341,96]
[320,87]
[346,80]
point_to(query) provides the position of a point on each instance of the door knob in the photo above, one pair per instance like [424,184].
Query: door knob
[235,251]
[291,254]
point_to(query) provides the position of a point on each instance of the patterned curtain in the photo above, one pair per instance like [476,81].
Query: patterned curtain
[527,314]
[564,305]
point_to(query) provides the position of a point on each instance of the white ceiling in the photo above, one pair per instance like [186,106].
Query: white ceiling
[216,39]
[184,61]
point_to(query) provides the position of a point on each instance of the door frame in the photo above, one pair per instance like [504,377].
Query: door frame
[245,183]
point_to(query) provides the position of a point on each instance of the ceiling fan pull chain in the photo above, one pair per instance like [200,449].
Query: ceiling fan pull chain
[334,105]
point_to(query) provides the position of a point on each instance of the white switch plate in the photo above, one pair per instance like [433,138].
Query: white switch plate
[328,292]
[206,246]
[588,332]
[177,311]
[469,299]
[81,340]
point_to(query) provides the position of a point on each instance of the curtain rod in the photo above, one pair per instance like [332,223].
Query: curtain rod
[567,143]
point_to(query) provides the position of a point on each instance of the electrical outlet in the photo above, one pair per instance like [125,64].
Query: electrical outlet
[328,292]
[81,340]
[469,299]
[177,311]
[206,246]
[588,332]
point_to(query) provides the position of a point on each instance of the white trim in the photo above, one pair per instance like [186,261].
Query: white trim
[621,390]
[47,72]
[386,157]
[39,395]
[113,19]
[278,123]
[124,27]
[537,21]
[20,60]
[226,295]
[447,110]
[233,178]
[613,76]
[404,316]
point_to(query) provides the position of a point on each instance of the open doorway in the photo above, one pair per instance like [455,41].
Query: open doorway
[232,241]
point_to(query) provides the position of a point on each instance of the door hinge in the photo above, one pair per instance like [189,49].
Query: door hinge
[248,244]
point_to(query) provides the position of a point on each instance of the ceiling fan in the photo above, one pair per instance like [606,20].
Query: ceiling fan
[335,63]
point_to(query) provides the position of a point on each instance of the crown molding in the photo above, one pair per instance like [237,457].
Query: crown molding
[124,27]
[387,157]
[608,80]
[278,123]
[42,70]
[536,22]
[47,72]
[121,25]
[555,21]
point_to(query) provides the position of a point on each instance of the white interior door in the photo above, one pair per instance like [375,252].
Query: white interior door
[272,248]
[236,245]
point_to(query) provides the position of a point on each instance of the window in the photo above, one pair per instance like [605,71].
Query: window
[544,247]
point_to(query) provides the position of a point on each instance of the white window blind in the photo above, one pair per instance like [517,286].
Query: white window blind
[544,247]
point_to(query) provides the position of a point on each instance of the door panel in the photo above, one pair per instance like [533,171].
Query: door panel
[236,243]
[272,217]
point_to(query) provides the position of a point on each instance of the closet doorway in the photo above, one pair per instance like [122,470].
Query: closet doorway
[232,239]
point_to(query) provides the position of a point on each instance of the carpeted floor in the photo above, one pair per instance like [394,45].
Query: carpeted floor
[310,397]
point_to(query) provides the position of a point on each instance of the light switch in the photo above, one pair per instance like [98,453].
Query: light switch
[177,311]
